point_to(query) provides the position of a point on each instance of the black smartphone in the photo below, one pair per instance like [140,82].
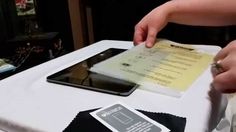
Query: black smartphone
[79,76]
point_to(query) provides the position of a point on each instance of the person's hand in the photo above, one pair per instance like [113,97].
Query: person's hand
[150,25]
[225,81]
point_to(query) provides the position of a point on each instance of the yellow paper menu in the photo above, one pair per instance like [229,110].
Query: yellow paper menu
[168,66]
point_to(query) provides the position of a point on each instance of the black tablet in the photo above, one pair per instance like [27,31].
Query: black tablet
[79,76]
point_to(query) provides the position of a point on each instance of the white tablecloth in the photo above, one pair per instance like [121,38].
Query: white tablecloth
[29,102]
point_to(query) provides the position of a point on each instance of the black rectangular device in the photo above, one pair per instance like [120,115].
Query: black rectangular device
[79,76]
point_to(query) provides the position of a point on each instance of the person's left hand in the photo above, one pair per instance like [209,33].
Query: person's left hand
[225,81]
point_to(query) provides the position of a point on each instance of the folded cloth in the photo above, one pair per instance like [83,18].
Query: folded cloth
[84,122]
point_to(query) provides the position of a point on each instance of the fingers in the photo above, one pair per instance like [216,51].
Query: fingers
[151,24]
[147,30]
[225,82]
[145,33]
[151,37]
[217,68]
[224,52]
[140,34]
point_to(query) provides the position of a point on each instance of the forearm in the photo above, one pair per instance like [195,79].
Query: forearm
[201,12]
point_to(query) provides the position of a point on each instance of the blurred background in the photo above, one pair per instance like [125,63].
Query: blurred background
[35,31]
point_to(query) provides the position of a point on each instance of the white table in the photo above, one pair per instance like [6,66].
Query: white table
[29,102]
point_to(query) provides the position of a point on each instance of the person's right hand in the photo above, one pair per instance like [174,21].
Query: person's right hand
[150,25]
[225,81]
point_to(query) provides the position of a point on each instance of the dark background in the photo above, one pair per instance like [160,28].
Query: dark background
[112,20]
[8,20]
[51,16]
[115,19]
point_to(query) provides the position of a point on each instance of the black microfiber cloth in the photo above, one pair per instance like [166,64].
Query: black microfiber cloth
[84,122]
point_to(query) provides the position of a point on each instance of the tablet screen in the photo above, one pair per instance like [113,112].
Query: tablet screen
[79,76]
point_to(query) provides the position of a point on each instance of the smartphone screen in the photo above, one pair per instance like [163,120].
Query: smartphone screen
[79,76]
